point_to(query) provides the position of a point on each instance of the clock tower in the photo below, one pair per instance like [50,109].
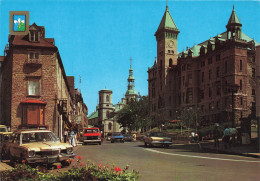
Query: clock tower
[166,37]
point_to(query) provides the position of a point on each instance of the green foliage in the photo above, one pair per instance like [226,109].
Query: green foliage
[81,172]
[135,115]
[190,118]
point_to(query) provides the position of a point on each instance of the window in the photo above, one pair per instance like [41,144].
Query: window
[202,76]
[253,92]
[33,87]
[217,57]
[210,60]
[110,126]
[170,62]
[241,100]
[169,51]
[225,66]
[202,64]
[33,57]
[217,72]
[240,86]
[210,92]
[183,80]
[33,114]
[107,98]
[172,52]
[202,94]
[253,72]
[241,65]
[34,36]
[210,74]
[218,90]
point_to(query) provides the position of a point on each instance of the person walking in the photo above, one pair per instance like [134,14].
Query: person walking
[216,136]
[65,135]
[226,137]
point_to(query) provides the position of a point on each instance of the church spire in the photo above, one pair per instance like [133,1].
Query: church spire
[131,93]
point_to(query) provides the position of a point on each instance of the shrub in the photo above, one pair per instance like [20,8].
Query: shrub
[80,172]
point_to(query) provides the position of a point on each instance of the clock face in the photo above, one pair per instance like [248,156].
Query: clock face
[170,44]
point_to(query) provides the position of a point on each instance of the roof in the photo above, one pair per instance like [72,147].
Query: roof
[131,92]
[167,22]
[233,20]
[93,115]
[22,40]
[223,36]
[33,102]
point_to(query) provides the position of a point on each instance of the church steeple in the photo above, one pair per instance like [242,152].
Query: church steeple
[234,26]
[130,93]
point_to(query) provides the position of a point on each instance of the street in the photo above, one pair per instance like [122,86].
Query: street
[171,164]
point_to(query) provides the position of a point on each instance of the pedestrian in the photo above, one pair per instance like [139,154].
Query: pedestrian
[233,132]
[216,136]
[65,135]
[71,135]
[226,137]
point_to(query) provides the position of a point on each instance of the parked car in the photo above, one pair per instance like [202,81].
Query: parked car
[157,139]
[128,137]
[4,138]
[3,129]
[117,137]
[91,135]
[39,147]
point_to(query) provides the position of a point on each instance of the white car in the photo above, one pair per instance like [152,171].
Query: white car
[157,139]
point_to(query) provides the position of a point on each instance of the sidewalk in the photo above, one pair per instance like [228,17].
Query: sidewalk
[4,166]
[249,150]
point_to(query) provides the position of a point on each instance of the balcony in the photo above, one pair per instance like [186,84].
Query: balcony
[33,62]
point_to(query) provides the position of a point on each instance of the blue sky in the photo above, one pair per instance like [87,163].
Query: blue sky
[97,38]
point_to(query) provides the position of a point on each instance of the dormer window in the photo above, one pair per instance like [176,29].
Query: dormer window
[34,36]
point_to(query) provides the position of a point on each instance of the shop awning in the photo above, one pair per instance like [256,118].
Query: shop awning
[33,102]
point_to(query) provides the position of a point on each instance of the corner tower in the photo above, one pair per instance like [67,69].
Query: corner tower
[233,26]
[166,37]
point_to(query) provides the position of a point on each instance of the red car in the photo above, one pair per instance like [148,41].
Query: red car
[91,135]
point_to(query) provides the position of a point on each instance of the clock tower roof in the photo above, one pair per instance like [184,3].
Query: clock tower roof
[167,22]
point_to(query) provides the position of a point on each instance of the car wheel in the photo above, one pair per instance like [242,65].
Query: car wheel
[166,146]
[99,143]
[145,144]
[12,161]
[112,141]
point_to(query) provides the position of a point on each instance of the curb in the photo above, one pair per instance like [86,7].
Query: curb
[230,153]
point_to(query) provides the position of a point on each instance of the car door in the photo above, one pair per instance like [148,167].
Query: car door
[14,146]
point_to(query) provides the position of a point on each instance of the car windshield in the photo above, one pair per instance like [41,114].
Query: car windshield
[116,134]
[3,130]
[158,134]
[38,137]
[91,130]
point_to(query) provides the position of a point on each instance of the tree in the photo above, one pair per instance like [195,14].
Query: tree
[135,114]
[190,118]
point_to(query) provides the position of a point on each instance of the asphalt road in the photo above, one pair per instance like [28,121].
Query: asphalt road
[160,164]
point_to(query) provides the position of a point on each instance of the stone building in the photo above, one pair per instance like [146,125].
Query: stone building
[35,90]
[216,78]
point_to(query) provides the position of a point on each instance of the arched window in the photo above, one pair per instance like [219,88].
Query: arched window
[170,62]
[110,126]
[107,98]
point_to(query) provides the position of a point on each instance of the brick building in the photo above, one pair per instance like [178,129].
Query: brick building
[216,78]
[35,89]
